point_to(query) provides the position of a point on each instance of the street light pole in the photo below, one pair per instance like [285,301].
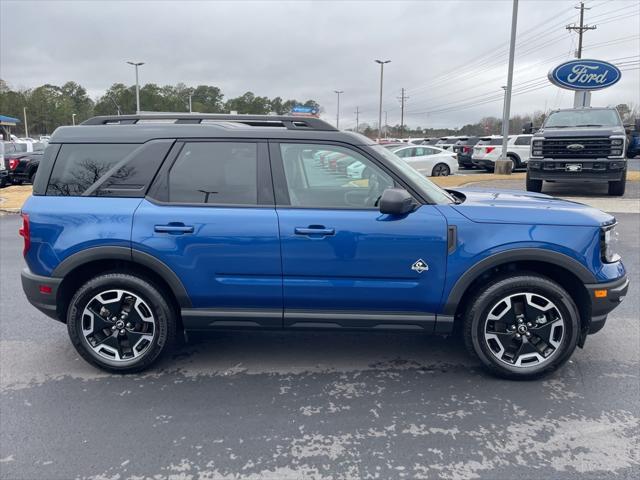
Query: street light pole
[338,92]
[503,164]
[73,119]
[381,62]
[136,65]
[190,95]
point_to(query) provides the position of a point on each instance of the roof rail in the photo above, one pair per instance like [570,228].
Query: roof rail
[289,122]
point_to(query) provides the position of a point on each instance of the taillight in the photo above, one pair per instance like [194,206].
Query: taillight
[490,149]
[466,149]
[25,233]
[13,163]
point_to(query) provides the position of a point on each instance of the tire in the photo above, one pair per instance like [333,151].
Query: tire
[617,189]
[3,182]
[153,327]
[533,185]
[514,162]
[440,170]
[16,182]
[547,338]
[489,169]
[32,176]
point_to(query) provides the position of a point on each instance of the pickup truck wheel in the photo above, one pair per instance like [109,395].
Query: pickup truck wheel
[617,188]
[120,323]
[522,326]
[533,185]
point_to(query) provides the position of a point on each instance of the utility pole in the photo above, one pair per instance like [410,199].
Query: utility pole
[581,98]
[73,119]
[190,95]
[402,99]
[26,127]
[136,65]
[357,119]
[381,62]
[338,92]
[503,164]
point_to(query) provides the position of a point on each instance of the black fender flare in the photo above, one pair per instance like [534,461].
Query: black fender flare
[514,255]
[130,255]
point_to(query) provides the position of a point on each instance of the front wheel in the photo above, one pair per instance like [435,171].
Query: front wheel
[120,323]
[533,185]
[440,170]
[522,326]
[617,188]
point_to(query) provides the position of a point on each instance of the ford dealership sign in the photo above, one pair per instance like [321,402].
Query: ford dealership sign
[583,74]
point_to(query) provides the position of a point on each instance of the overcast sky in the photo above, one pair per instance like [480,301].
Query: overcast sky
[447,54]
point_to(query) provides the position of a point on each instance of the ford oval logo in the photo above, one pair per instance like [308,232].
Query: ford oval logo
[583,74]
[575,146]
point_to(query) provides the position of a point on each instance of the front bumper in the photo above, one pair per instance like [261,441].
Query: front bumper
[42,292]
[604,298]
[591,170]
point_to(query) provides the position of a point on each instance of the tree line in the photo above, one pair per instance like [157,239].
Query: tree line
[50,106]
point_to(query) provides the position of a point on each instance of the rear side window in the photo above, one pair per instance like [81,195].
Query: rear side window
[79,166]
[215,173]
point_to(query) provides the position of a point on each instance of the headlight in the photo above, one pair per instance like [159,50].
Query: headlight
[537,153]
[609,244]
[616,152]
[617,141]
[537,143]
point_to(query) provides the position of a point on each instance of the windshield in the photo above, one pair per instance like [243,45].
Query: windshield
[426,187]
[583,118]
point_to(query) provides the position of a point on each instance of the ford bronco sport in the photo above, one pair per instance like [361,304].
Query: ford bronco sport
[142,227]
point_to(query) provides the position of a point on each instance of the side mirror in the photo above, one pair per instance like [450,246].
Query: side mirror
[396,201]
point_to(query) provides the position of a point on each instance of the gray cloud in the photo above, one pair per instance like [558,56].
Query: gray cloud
[308,49]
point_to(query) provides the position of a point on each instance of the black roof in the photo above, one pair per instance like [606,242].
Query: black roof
[145,127]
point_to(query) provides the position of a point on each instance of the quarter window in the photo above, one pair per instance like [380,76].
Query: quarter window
[523,141]
[79,166]
[327,176]
[215,173]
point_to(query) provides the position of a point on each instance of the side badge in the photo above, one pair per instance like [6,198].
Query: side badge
[419,266]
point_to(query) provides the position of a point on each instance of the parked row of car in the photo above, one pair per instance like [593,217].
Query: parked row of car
[19,160]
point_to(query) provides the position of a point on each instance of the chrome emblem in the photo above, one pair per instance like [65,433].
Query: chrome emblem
[575,146]
[419,266]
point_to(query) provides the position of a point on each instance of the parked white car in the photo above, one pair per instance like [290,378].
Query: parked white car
[429,161]
[487,151]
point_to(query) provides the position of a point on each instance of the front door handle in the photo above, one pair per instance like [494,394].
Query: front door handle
[318,230]
[174,228]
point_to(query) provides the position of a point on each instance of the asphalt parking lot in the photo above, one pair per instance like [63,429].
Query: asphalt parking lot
[318,405]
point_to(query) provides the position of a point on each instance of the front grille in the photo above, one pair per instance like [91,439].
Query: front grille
[594,147]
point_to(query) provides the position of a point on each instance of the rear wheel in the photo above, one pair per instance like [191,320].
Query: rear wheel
[522,326]
[120,323]
[440,170]
[617,188]
[533,185]
[514,162]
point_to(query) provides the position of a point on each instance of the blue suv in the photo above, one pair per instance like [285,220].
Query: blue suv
[143,227]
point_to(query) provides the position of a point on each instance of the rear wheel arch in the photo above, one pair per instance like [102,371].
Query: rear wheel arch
[81,267]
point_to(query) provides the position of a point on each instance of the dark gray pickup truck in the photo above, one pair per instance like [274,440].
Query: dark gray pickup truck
[579,145]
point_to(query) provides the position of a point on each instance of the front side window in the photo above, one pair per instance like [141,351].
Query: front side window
[215,173]
[313,183]
[523,141]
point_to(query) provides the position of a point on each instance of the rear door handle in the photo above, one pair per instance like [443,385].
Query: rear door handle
[315,230]
[174,228]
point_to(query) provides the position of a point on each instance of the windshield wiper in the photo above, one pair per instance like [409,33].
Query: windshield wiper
[557,126]
[590,125]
